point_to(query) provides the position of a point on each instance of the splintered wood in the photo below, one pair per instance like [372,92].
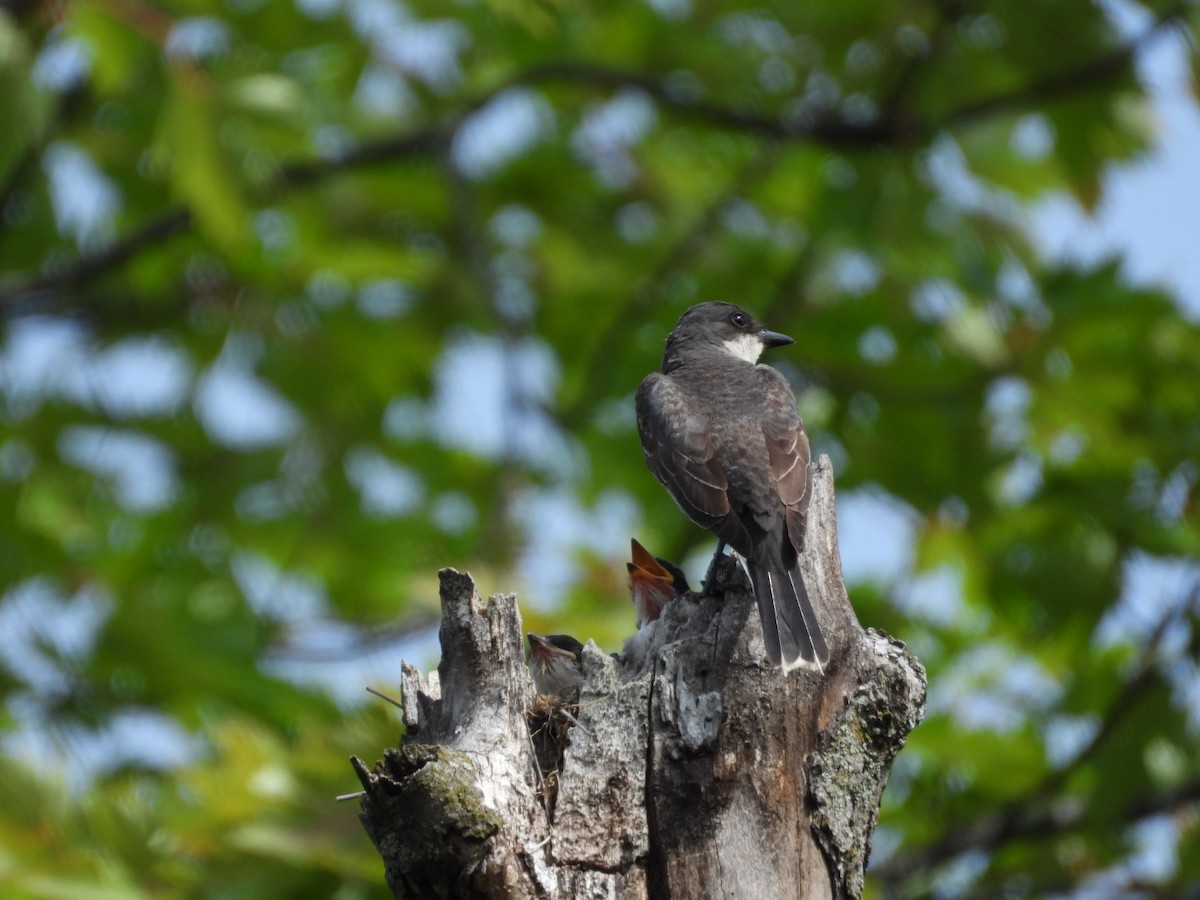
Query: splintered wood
[689,767]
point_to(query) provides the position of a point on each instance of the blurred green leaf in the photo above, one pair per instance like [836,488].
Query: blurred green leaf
[302,198]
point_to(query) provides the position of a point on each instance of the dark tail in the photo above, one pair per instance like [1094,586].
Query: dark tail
[789,624]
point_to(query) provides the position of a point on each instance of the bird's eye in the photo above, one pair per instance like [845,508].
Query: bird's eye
[739,320]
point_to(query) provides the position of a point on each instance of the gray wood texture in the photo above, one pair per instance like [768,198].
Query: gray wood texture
[691,768]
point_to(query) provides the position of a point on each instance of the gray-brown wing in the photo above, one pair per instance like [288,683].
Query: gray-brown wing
[679,451]
[788,452]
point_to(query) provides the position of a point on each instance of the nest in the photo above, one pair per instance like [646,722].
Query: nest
[549,720]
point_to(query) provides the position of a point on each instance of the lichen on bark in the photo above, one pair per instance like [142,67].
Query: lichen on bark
[691,768]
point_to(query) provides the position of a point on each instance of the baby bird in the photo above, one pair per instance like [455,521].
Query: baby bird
[556,664]
[653,583]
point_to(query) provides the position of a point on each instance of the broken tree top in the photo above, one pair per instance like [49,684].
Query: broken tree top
[697,770]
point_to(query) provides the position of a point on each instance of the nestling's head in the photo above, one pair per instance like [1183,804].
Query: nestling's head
[556,664]
[721,328]
[653,583]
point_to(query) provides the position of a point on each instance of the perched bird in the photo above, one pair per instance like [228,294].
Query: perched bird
[723,436]
[556,664]
[653,583]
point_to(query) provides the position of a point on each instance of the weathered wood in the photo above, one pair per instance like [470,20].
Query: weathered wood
[691,767]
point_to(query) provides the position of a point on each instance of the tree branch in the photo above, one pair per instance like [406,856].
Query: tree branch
[839,134]
[1167,802]
[1040,812]
[648,290]
[78,273]
[178,219]
[419,144]
[895,127]
[829,131]
[1087,76]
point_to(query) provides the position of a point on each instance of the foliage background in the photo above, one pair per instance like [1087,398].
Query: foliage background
[304,301]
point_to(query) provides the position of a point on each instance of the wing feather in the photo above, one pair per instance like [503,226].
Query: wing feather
[788,452]
[680,452]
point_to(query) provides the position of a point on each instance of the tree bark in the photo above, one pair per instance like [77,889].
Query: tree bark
[691,768]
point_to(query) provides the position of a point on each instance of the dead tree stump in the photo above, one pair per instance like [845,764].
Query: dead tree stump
[700,771]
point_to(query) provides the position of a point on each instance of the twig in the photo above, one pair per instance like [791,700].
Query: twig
[419,144]
[537,771]
[383,696]
[562,710]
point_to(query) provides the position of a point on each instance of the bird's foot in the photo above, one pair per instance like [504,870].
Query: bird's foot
[725,573]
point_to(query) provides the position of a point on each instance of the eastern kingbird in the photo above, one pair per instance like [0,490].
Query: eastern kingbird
[723,436]
[653,583]
[556,664]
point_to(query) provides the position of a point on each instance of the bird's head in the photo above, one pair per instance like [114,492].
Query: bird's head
[722,327]
[653,583]
[556,663]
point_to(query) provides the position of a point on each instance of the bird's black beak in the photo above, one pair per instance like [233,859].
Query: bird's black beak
[774,338]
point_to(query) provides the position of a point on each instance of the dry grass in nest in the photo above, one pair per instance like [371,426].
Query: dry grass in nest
[549,720]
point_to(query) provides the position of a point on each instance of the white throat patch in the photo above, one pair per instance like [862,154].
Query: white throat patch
[745,346]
